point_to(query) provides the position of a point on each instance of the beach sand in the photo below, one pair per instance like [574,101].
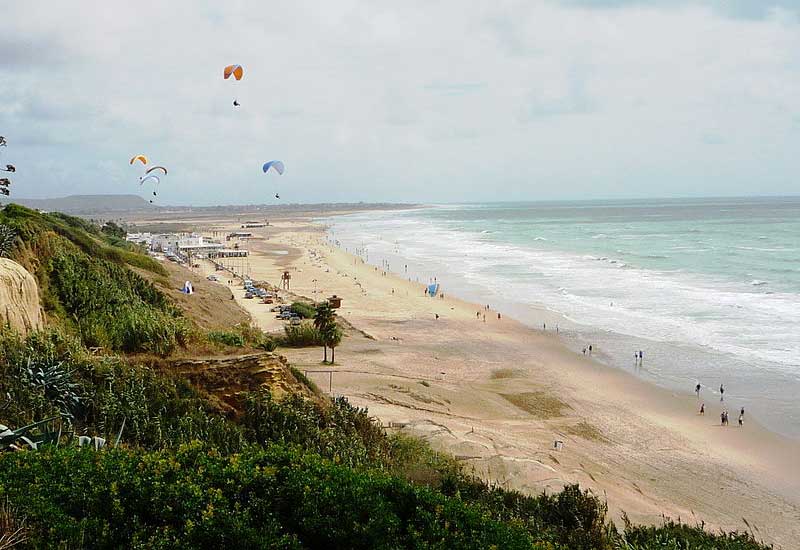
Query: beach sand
[498,394]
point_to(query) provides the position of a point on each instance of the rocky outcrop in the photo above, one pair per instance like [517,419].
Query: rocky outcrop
[19,298]
[227,379]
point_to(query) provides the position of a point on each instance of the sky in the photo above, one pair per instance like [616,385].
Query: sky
[414,101]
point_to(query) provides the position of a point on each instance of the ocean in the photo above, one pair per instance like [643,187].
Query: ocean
[708,289]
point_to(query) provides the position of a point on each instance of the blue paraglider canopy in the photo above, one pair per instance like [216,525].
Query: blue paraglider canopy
[275,165]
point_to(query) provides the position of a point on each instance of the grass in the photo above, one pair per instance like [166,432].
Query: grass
[587,431]
[538,404]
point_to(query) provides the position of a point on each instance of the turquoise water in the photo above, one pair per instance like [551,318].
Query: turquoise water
[708,288]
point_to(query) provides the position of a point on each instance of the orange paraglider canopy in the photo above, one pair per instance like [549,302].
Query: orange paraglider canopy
[236,70]
[140,158]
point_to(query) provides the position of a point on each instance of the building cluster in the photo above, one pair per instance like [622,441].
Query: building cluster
[183,246]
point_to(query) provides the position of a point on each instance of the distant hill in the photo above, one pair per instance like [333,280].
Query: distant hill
[88,204]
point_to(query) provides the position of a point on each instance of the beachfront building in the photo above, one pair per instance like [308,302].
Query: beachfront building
[184,244]
[139,238]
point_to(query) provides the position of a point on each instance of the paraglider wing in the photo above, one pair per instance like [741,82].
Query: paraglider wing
[236,70]
[152,177]
[3,142]
[275,165]
[140,158]
[153,168]
[10,168]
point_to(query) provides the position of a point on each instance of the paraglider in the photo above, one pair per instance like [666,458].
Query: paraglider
[140,158]
[3,142]
[277,196]
[276,165]
[154,178]
[153,168]
[233,70]
[4,183]
[237,72]
[9,168]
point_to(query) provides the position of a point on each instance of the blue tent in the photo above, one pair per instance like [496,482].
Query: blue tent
[433,289]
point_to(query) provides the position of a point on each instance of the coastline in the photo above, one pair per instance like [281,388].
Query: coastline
[497,394]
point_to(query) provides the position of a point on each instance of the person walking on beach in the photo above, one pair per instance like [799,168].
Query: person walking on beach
[697,390]
[702,409]
[741,419]
[741,412]
[721,392]
[544,326]
[641,357]
[498,316]
[590,349]
[584,351]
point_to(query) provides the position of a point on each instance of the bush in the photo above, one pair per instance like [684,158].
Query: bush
[303,335]
[304,310]
[196,498]
[226,338]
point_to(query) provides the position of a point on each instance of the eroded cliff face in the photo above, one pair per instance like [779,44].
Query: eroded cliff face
[19,298]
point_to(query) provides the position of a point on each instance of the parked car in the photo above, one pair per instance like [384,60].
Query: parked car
[248,295]
[213,278]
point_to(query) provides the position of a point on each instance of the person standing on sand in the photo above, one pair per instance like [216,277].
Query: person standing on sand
[590,349]
[498,316]
[544,326]
[702,409]
[437,316]
[484,317]
[721,392]
[741,419]
[584,351]
[641,357]
[697,390]
[741,412]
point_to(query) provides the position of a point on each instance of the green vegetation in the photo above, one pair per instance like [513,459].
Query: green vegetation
[299,336]
[85,282]
[304,310]
[243,335]
[329,331]
[226,338]
[7,236]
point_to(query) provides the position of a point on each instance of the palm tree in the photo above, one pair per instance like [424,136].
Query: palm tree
[333,338]
[323,321]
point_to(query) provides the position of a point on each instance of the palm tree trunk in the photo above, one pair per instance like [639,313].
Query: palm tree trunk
[333,355]
[325,351]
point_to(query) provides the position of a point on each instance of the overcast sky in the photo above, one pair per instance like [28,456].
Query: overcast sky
[421,101]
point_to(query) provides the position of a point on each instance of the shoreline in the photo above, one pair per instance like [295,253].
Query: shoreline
[673,362]
[641,446]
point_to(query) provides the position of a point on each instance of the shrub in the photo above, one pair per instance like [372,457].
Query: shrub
[303,335]
[304,310]
[196,498]
[226,338]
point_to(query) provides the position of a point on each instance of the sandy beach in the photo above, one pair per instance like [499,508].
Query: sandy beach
[498,394]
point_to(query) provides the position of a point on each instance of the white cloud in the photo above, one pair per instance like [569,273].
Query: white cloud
[415,101]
